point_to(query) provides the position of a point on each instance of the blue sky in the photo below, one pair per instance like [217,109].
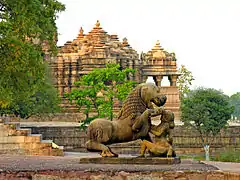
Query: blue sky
[204,34]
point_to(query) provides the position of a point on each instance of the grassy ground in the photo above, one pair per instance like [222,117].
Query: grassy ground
[229,155]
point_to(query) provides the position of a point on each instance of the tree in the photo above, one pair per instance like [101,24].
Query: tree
[99,89]
[45,100]
[24,27]
[206,110]
[235,102]
[184,81]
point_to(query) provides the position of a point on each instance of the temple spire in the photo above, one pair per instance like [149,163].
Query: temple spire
[80,35]
[81,31]
[97,23]
[125,42]
[157,46]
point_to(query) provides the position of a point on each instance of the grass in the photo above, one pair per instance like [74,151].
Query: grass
[194,157]
[230,155]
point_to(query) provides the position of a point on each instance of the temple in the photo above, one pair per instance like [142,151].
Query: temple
[97,48]
[158,63]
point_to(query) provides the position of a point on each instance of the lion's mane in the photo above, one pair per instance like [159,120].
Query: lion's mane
[133,105]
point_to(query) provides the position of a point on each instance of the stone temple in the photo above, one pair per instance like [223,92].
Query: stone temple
[97,48]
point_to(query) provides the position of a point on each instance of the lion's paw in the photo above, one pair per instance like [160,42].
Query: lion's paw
[108,153]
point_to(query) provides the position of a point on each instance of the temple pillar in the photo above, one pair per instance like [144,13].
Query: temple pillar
[60,76]
[173,80]
[130,65]
[74,73]
[69,76]
[158,80]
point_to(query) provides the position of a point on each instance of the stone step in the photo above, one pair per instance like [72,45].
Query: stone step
[27,130]
[24,145]
[20,139]
[47,141]
[40,149]
[12,139]
[17,140]
[12,125]
[37,135]
[19,132]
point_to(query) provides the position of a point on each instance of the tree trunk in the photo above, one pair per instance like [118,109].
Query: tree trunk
[111,115]
[206,149]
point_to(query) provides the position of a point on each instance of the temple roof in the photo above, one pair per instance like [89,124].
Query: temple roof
[98,39]
[158,53]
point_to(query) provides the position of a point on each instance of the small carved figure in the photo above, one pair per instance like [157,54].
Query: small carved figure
[133,122]
[163,138]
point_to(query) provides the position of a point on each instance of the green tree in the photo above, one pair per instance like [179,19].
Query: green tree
[24,27]
[208,111]
[99,89]
[235,102]
[184,81]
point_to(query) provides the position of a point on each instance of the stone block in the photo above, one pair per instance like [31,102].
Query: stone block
[57,152]
[23,132]
[3,133]
[9,146]
[12,139]
[29,139]
[215,176]
[130,160]
[35,145]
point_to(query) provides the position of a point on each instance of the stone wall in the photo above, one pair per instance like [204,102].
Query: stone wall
[79,175]
[186,141]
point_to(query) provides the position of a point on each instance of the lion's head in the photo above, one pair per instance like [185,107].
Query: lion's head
[141,98]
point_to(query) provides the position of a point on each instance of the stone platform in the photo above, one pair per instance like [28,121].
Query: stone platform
[68,167]
[129,160]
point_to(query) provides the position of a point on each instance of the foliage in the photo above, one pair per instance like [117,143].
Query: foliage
[100,88]
[235,101]
[184,81]
[207,110]
[24,27]
[230,155]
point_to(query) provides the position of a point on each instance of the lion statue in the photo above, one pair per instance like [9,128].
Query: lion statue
[133,121]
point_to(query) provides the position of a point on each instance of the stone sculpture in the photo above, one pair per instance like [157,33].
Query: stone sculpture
[163,138]
[133,122]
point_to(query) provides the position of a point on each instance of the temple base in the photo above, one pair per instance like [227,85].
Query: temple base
[130,160]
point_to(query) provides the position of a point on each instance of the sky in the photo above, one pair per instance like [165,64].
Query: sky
[204,34]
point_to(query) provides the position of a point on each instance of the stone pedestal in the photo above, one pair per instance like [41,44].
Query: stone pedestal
[130,160]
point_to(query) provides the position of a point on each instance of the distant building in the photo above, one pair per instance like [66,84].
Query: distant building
[97,48]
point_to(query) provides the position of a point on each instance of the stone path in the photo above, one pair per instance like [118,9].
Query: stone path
[225,166]
[70,162]
[68,167]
